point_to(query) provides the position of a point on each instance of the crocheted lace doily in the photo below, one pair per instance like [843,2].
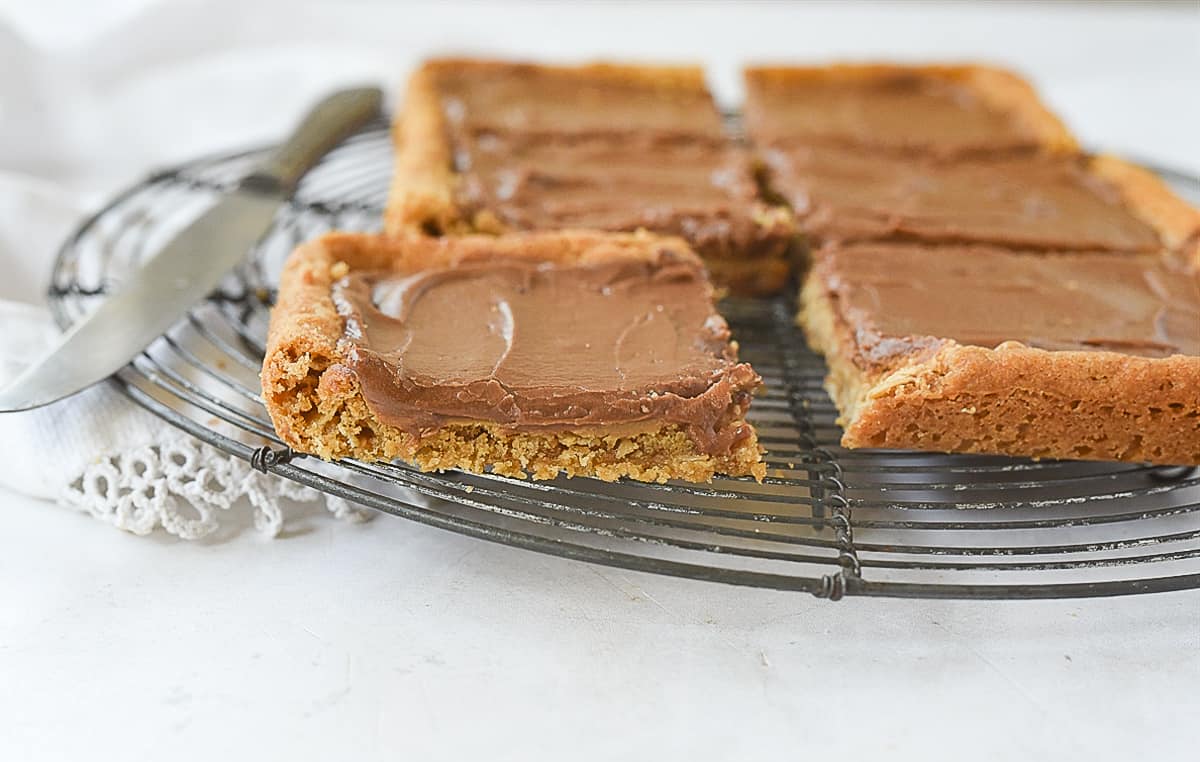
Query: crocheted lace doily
[188,489]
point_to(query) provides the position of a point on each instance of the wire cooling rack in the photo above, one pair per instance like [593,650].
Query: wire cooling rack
[826,520]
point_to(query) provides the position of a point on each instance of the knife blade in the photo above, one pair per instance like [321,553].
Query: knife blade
[188,268]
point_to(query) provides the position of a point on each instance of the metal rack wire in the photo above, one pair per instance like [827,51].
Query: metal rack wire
[825,520]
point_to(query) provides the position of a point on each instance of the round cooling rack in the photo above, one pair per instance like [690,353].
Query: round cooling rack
[826,520]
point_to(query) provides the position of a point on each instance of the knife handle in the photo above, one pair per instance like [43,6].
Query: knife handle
[331,121]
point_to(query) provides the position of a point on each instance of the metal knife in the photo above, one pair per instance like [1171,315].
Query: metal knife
[188,268]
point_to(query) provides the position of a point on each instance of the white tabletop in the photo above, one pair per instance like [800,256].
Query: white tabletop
[391,640]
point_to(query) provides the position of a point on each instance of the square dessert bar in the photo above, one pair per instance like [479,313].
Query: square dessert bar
[478,95]
[528,354]
[983,350]
[495,147]
[1034,201]
[932,110]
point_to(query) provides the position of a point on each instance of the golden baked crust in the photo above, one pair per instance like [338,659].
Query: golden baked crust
[422,198]
[1011,400]
[753,277]
[1002,89]
[316,404]
[1145,194]
[688,78]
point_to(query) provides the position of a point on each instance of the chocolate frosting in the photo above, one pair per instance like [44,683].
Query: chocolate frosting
[535,346]
[1021,202]
[903,112]
[697,188]
[901,299]
[546,100]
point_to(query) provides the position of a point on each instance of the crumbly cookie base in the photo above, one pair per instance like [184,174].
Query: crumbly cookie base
[1012,400]
[324,413]
[762,277]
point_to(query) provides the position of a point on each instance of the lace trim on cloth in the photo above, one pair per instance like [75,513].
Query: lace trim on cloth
[186,488]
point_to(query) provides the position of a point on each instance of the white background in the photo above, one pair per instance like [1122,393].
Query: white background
[394,641]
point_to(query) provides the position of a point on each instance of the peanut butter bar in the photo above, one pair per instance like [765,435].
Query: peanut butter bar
[932,110]
[982,350]
[1036,202]
[490,147]
[583,353]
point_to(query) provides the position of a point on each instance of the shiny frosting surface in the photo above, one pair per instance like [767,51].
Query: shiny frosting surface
[547,100]
[900,299]
[547,347]
[697,188]
[902,111]
[1023,202]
